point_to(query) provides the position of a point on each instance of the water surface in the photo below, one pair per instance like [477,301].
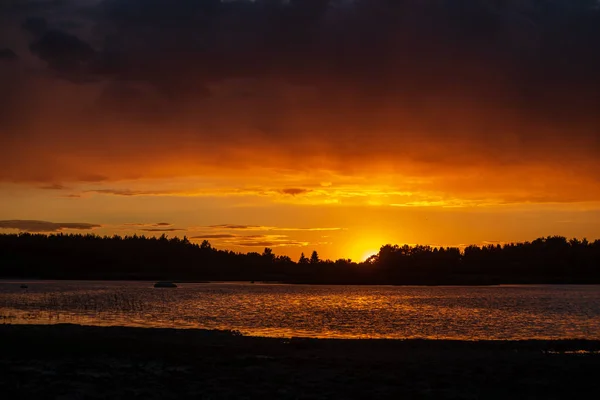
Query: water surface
[467,313]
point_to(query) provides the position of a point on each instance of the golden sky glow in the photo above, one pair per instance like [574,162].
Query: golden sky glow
[339,138]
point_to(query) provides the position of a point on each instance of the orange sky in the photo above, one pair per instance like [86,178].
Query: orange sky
[338,126]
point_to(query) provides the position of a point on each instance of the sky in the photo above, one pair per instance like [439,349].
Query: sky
[328,125]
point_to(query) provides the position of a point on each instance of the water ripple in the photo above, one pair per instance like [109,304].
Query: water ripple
[466,313]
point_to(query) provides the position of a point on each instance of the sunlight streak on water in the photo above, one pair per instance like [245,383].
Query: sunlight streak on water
[466,313]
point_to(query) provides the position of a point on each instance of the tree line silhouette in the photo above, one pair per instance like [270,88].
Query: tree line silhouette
[550,260]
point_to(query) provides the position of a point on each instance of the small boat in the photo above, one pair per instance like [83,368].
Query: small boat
[165,284]
[24,286]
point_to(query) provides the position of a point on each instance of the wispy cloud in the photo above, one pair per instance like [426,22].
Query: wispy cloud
[307,229]
[266,228]
[252,240]
[234,226]
[161,229]
[274,243]
[414,194]
[45,226]
[129,192]
[152,227]
[54,186]
[201,192]
[156,224]
[295,191]
[226,236]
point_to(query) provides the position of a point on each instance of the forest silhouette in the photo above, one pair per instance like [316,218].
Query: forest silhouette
[550,260]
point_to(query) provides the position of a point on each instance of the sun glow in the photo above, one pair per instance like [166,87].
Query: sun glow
[368,254]
[362,248]
[366,243]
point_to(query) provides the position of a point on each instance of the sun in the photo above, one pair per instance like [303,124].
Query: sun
[365,244]
[361,252]
[368,253]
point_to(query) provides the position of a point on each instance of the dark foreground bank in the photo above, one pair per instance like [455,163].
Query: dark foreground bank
[76,362]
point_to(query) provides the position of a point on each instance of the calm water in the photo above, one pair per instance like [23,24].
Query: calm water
[506,312]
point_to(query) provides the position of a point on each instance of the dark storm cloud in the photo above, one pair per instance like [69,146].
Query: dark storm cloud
[8,55]
[36,26]
[538,57]
[443,84]
[63,52]
[44,226]
[33,5]
[69,25]
[345,40]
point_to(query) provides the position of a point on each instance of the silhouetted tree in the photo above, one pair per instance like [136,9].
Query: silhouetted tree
[552,259]
[303,259]
[284,260]
[268,255]
[314,257]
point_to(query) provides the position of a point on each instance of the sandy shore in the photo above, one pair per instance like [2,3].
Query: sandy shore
[76,362]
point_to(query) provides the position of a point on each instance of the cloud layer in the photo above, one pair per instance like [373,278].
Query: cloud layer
[45,226]
[481,98]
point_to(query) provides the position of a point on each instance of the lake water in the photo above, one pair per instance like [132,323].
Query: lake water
[468,313]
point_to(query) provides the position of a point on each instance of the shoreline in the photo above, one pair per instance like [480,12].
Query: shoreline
[119,362]
[177,334]
[8,324]
[299,283]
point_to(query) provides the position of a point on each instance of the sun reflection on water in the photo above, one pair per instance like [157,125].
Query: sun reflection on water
[466,313]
